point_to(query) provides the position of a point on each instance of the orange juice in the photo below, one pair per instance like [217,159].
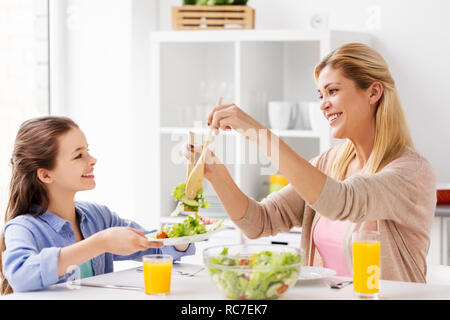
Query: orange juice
[366,267]
[157,275]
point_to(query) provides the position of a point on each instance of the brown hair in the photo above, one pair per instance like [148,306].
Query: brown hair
[364,66]
[35,147]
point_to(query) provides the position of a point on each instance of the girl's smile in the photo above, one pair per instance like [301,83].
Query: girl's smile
[88,175]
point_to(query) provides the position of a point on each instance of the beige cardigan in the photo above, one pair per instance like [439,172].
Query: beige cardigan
[399,201]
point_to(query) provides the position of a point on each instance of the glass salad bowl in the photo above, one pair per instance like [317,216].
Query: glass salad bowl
[253,271]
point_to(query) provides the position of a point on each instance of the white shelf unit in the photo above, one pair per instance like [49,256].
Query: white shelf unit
[190,69]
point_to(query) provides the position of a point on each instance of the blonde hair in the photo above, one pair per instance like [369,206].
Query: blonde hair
[364,66]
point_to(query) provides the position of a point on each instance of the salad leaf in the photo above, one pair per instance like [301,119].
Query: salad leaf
[189,227]
[179,193]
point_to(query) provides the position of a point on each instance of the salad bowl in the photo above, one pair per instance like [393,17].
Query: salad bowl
[253,271]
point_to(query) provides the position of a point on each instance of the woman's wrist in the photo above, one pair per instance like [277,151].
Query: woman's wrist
[216,173]
[233,199]
[255,132]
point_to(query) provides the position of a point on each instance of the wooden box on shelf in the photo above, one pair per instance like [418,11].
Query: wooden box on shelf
[193,17]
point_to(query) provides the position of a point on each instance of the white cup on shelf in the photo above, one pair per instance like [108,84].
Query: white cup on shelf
[312,116]
[304,119]
[282,114]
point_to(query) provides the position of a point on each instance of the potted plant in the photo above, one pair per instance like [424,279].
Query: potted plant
[215,2]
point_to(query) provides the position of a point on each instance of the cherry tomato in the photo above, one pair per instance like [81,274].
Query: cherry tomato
[283,288]
[161,235]
[244,262]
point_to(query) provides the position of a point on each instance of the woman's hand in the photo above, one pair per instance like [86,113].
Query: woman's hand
[227,117]
[211,161]
[125,241]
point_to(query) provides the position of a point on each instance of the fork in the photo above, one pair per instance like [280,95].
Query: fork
[194,273]
[338,285]
[183,273]
[190,274]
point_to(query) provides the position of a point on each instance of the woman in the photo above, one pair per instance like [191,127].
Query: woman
[373,181]
[47,233]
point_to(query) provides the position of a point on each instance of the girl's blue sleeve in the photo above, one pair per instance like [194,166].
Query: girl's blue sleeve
[25,267]
[116,221]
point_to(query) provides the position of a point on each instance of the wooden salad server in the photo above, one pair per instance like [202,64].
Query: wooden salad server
[195,180]
[191,161]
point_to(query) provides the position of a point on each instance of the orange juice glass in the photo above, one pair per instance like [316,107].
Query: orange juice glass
[157,273]
[366,263]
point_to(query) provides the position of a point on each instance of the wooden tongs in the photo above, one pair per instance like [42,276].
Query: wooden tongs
[195,179]
[191,162]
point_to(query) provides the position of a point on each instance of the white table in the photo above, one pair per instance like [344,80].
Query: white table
[199,287]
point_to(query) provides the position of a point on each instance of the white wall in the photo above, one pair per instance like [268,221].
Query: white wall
[104,72]
[144,20]
[413,37]
[106,81]
[23,76]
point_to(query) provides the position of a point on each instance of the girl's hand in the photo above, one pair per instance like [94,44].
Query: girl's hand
[182,247]
[125,241]
[227,117]
[211,161]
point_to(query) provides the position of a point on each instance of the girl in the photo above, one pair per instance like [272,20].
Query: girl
[46,232]
[373,181]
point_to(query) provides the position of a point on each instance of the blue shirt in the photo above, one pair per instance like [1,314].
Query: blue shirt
[33,243]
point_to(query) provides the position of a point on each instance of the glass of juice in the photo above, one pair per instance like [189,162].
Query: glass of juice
[157,273]
[366,264]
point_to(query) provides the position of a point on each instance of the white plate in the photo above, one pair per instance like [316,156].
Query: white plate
[181,240]
[315,273]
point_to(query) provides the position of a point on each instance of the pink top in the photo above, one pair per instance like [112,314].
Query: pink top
[328,237]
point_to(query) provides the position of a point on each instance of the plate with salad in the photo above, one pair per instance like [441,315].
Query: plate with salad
[193,229]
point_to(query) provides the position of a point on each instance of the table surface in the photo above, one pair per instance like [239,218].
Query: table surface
[200,287]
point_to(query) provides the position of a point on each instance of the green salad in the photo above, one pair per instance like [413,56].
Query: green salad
[263,275]
[179,193]
[189,227]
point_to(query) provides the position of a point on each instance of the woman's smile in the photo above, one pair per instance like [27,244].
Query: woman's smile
[333,117]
